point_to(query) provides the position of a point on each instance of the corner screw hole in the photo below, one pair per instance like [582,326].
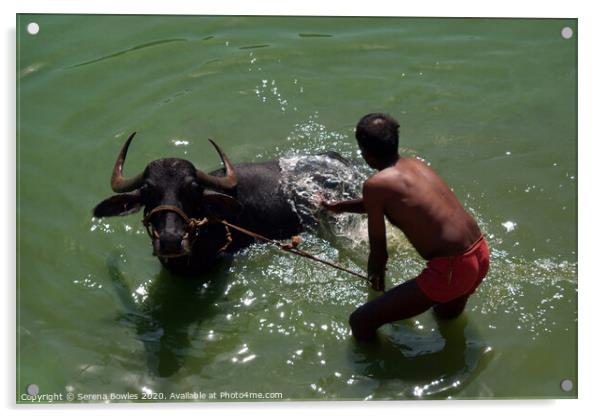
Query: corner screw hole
[32,389]
[566,385]
[33,28]
[566,32]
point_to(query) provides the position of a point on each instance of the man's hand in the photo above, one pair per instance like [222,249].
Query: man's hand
[378,282]
[351,206]
[334,207]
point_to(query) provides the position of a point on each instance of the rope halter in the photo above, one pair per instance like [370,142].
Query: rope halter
[192,224]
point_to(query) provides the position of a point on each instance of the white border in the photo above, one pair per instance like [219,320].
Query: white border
[507,8]
[589,227]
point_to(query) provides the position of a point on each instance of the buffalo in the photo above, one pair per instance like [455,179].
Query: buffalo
[260,197]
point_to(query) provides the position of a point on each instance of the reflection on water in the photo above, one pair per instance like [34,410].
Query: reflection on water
[166,313]
[439,364]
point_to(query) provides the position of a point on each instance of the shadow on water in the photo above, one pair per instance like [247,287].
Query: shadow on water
[169,312]
[434,365]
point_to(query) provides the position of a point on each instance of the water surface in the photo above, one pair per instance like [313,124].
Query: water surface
[489,103]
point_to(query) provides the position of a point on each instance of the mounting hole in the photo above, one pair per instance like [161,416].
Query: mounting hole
[32,389]
[33,28]
[566,385]
[566,32]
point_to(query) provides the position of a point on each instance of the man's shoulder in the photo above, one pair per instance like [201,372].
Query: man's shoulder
[375,181]
[388,180]
[388,176]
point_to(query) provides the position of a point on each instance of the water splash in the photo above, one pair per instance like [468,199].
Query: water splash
[307,179]
[268,90]
[311,136]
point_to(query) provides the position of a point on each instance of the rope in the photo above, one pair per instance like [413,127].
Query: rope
[193,224]
[292,248]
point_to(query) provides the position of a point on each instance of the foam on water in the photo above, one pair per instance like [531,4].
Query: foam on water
[307,179]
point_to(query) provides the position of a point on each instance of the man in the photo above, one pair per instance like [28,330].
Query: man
[416,200]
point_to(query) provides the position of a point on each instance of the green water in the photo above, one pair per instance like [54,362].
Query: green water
[491,104]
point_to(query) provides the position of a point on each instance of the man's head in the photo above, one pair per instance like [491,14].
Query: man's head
[378,139]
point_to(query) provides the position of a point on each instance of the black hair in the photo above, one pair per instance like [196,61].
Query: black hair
[377,133]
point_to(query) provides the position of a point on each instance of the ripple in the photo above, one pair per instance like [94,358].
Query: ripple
[315,35]
[254,46]
[31,69]
[125,51]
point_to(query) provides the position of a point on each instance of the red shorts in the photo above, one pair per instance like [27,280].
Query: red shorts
[448,278]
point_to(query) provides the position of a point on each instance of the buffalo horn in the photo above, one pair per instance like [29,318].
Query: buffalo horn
[120,184]
[228,182]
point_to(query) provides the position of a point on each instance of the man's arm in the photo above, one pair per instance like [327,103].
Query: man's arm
[353,206]
[377,261]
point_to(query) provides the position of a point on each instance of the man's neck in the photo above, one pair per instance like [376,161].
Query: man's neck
[388,163]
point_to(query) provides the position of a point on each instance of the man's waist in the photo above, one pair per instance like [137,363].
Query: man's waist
[456,249]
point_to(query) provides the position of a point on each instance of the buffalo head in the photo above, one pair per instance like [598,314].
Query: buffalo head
[175,184]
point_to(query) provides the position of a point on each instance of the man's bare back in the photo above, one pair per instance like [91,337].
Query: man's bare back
[416,200]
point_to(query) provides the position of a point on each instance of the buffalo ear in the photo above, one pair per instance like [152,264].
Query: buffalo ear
[118,205]
[223,202]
